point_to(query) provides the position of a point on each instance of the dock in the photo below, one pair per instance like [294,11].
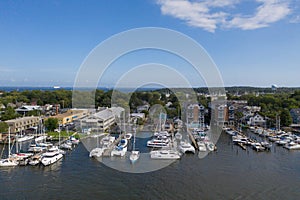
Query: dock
[193,140]
[107,151]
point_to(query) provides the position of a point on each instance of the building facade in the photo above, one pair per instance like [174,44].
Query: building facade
[21,124]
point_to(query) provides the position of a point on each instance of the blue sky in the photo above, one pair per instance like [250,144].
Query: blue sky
[253,43]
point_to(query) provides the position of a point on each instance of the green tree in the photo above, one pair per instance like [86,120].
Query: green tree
[285,118]
[51,124]
[9,113]
[3,127]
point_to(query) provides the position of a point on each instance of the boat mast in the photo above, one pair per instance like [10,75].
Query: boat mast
[9,142]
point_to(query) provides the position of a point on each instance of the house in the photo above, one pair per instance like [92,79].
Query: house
[143,108]
[21,124]
[257,120]
[295,114]
[25,109]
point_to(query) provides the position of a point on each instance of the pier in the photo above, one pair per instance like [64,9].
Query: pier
[107,152]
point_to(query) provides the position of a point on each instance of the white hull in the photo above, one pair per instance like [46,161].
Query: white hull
[40,138]
[117,152]
[97,152]
[50,160]
[134,156]
[186,147]
[8,163]
[24,138]
[165,155]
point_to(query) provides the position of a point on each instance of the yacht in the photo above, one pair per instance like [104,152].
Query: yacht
[185,147]
[165,154]
[51,156]
[292,146]
[158,143]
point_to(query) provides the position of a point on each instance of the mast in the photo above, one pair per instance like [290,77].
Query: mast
[9,142]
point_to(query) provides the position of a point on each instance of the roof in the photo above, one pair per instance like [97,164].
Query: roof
[28,108]
[104,114]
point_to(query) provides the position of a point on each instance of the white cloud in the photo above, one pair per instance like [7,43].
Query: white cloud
[268,12]
[213,14]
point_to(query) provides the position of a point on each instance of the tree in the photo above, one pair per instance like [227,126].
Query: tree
[51,124]
[285,118]
[3,127]
[9,113]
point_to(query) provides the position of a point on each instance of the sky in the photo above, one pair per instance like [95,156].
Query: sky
[251,42]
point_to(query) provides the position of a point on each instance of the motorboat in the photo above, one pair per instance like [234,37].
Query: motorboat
[283,141]
[74,141]
[35,160]
[266,144]
[165,154]
[120,149]
[292,146]
[66,146]
[185,147]
[97,152]
[202,146]
[257,146]
[128,136]
[51,156]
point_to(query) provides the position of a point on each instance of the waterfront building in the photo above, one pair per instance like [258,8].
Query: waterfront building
[71,115]
[195,115]
[99,121]
[257,120]
[23,123]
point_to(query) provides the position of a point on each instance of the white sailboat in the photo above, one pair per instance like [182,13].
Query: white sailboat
[135,155]
[8,162]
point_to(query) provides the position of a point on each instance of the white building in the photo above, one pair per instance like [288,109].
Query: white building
[25,109]
[102,120]
[257,120]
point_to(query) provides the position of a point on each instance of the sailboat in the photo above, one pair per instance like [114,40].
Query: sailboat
[135,155]
[8,162]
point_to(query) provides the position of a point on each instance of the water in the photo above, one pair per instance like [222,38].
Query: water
[229,173]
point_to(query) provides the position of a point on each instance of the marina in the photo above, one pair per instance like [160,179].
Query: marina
[190,176]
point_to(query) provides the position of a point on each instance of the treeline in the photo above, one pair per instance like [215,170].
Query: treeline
[272,105]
